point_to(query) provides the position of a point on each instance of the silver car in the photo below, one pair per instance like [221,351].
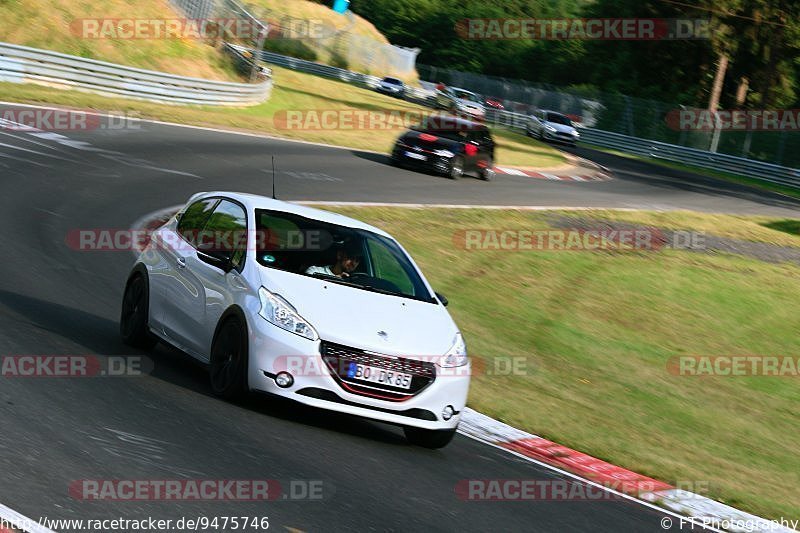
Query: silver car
[392,87]
[461,102]
[552,126]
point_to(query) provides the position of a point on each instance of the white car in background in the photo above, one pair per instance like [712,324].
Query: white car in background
[461,102]
[552,126]
[305,304]
[392,87]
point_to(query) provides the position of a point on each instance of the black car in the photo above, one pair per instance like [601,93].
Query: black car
[449,146]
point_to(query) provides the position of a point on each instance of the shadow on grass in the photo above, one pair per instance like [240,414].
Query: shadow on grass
[787,226]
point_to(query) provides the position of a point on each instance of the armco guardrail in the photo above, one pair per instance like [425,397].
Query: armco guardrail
[668,152]
[690,156]
[22,64]
[413,94]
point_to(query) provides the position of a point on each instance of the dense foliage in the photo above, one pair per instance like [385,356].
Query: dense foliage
[761,38]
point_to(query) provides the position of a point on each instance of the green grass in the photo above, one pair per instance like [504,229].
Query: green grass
[598,329]
[727,176]
[293,91]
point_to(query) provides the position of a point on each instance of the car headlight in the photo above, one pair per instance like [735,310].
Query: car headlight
[456,355]
[444,153]
[548,127]
[279,312]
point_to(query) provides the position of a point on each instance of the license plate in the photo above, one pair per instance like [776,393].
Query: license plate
[380,376]
[414,155]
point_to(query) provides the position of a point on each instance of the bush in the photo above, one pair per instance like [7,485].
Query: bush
[339,61]
[291,47]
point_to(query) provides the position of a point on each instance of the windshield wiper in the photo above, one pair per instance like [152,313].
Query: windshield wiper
[341,281]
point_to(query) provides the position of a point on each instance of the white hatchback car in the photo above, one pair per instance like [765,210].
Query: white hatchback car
[301,303]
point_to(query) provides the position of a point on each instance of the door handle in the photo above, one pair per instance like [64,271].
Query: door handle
[181,262]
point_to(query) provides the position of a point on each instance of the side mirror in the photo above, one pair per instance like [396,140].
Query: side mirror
[442,298]
[220,260]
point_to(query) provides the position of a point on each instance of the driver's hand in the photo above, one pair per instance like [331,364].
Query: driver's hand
[344,275]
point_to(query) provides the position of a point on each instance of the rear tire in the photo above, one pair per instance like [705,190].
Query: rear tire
[429,438]
[133,320]
[229,361]
[456,168]
[487,174]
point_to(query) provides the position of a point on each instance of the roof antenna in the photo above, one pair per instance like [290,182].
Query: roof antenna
[273,177]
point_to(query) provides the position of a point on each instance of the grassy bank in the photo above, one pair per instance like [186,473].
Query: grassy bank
[598,330]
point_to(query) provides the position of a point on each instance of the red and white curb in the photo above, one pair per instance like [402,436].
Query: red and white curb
[599,176]
[647,491]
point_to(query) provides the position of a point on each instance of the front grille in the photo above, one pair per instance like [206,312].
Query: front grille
[339,359]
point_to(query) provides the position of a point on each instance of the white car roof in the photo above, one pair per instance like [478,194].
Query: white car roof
[255,201]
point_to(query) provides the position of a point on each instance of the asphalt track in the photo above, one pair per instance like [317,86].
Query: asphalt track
[165,425]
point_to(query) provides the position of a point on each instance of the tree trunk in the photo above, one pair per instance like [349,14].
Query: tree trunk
[716,89]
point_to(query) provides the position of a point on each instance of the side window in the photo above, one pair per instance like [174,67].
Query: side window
[194,218]
[225,232]
[480,136]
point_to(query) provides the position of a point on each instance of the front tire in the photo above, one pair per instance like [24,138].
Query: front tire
[229,361]
[133,320]
[456,168]
[429,438]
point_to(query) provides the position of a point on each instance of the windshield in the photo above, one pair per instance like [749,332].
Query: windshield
[339,254]
[456,133]
[466,95]
[392,81]
[558,119]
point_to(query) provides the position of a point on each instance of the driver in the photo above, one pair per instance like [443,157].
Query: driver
[347,260]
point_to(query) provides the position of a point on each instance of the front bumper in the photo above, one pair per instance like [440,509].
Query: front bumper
[560,137]
[390,92]
[274,350]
